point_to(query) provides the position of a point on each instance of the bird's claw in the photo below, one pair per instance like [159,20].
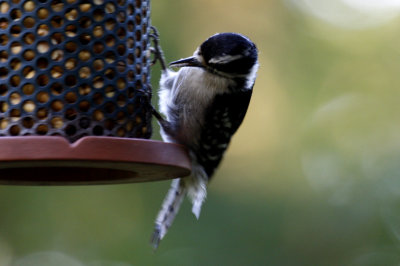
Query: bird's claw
[156,48]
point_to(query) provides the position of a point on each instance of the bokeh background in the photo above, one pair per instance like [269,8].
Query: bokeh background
[311,178]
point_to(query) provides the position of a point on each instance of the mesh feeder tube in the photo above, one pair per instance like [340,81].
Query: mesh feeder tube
[74,68]
[77,73]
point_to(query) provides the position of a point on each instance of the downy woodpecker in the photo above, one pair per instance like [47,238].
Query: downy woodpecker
[204,104]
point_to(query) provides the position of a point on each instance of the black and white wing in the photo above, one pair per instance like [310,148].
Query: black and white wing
[223,118]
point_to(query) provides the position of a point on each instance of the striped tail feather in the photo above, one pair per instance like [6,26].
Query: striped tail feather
[169,209]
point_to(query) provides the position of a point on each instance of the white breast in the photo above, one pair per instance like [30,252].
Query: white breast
[184,97]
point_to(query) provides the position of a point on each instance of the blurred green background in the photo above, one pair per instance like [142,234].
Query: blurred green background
[311,178]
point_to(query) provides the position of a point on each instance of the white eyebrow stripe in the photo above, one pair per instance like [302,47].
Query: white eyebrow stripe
[224,59]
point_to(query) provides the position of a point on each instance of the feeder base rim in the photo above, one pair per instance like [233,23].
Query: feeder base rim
[92,160]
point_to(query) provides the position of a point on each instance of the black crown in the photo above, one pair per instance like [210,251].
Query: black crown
[235,46]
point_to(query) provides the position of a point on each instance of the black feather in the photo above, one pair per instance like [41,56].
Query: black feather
[223,118]
[225,44]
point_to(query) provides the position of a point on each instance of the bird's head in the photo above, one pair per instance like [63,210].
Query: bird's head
[226,54]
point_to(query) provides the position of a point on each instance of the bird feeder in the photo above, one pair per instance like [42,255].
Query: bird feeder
[74,94]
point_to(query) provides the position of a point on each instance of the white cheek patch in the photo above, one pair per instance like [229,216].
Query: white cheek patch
[224,59]
[251,77]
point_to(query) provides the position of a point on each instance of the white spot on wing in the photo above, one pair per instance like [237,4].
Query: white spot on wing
[222,145]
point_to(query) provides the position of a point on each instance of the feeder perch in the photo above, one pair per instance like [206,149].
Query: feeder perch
[74,88]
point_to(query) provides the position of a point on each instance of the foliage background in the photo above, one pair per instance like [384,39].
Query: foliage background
[311,178]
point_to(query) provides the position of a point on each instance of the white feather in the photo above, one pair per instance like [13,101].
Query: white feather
[224,59]
[189,88]
[251,77]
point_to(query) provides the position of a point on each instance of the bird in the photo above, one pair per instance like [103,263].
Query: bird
[204,103]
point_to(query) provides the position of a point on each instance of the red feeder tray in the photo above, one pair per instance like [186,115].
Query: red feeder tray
[43,160]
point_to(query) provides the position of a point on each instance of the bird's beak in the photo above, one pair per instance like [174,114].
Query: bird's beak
[187,62]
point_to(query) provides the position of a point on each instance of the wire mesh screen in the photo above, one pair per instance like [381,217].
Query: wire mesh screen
[74,68]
